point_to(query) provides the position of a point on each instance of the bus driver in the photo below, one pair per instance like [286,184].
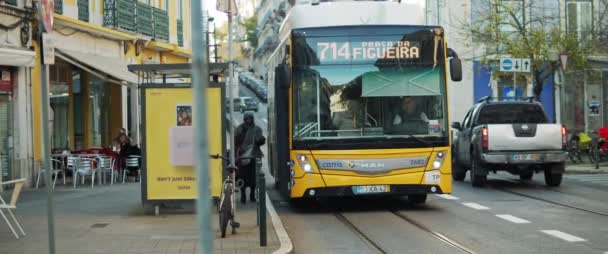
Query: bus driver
[409,111]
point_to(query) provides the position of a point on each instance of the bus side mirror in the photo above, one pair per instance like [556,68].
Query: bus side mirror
[455,66]
[282,79]
[456,69]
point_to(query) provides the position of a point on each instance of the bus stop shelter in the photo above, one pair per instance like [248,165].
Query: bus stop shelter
[168,176]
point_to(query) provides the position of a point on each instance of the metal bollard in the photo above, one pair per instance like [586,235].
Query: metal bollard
[262,208]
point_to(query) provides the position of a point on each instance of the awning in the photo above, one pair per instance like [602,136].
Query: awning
[106,68]
[17,57]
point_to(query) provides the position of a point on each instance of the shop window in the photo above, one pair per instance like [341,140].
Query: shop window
[60,101]
[99,115]
[510,90]
[572,96]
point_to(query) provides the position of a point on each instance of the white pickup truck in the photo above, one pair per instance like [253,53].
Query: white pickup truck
[513,136]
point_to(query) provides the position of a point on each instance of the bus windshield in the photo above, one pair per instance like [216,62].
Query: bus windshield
[352,84]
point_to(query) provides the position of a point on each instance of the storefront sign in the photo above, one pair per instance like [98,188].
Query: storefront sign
[6,82]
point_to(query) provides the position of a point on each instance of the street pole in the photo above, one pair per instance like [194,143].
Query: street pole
[229,84]
[46,163]
[200,82]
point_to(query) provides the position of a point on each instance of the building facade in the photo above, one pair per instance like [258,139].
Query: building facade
[575,98]
[271,14]
[92,93]
[16,61]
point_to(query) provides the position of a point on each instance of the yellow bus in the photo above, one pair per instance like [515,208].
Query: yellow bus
[358,102]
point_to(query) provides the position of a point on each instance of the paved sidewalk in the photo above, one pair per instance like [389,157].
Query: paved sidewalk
[586,168]
[111,220]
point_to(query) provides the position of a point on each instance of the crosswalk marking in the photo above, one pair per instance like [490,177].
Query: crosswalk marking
[601,179]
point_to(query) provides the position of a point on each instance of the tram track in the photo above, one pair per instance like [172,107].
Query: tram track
[533,197]
[379,249]
[550,201]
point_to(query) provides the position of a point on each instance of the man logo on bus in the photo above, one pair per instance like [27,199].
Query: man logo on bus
[351,164]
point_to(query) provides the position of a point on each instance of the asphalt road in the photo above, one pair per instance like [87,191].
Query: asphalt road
[507,216]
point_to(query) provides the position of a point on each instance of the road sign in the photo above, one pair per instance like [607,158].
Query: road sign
[48,9]
[509,64]
[516,65]
[48,48]
[526,65]
[506,64]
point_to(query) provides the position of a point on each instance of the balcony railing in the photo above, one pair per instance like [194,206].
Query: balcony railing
[144,20]
[138,17]
[161,24]
[180,32]
[119,14]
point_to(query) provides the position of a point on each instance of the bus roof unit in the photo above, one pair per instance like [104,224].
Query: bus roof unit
[328,14]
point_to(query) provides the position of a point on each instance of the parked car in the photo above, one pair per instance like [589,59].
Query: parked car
[513,136]
[248,103]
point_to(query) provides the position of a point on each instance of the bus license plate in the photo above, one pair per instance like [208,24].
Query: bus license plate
[370,189]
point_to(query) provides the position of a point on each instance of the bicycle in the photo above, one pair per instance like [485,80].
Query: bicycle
[227,204]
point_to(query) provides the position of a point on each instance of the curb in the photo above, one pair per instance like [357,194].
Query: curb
[286,245]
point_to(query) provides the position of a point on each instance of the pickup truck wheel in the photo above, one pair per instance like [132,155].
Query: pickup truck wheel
[526,176]
[553,178]
[477,180]
[417,198]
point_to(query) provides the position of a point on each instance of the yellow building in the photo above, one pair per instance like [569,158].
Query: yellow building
[92,93]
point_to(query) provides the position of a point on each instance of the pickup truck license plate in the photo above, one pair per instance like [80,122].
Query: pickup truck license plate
[370,189]
[525,157]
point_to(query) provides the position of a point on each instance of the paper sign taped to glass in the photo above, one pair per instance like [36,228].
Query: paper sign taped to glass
[181,141]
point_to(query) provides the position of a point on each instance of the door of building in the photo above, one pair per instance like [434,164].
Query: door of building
[5,132]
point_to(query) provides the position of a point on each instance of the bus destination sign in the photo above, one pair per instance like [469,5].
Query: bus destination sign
[367,50]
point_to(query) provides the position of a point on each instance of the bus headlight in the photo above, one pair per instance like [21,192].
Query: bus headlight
[304,163]
[438,162]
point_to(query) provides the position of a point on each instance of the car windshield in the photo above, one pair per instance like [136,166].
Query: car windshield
[249,100]
[376,95]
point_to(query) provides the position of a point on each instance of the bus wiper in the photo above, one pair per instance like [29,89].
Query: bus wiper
[419,139]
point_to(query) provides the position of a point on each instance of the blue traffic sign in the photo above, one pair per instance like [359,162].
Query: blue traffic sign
[507,64]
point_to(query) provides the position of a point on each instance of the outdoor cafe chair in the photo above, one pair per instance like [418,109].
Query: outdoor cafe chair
[85,167]
[132,162]
[56,169]
[71,165]
[106,166]
[18,184]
